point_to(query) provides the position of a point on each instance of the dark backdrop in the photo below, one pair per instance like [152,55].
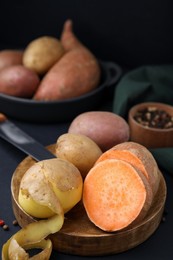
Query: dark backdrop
[130,32]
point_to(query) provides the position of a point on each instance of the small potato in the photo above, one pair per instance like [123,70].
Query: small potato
[106,129]
[49,186]
[79,150]
[18,81]
[10,57]
[42,53]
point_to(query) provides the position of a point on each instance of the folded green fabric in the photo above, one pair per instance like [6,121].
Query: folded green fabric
[147,84]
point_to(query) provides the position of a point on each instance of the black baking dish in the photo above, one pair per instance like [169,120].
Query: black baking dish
[64,110]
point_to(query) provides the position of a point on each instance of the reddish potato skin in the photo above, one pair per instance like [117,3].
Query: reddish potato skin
[18,81]
[10,57]
[76,73]
[68,39]
[105,128]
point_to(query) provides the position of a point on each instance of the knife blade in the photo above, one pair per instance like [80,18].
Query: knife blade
[17,137]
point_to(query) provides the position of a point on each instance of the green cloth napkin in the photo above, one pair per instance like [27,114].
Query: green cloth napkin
[147,84]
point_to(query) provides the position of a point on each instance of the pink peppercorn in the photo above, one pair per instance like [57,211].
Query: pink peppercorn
[2,222]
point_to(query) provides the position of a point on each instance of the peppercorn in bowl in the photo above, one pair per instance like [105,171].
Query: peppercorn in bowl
[151,124]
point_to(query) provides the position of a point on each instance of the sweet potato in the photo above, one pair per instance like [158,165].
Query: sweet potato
[141,158]
[75,74]
[116,195]
[18,81]
[105,128]
[10,57]
[68,39]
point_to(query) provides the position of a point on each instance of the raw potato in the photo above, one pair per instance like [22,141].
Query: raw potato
[42,53]
[50,182]
[54,184]
[10,57]
[76,73]
[106,129]
[79,150]
[116,195]
[18,81]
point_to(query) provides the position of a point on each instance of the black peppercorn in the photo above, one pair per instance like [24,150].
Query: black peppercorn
[155,118]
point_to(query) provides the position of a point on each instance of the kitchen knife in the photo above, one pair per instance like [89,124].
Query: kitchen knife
[14,135]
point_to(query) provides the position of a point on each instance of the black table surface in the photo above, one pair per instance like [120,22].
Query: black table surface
[158,246]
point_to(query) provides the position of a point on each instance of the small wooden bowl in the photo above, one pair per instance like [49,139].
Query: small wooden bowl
[148,136]
[79,236]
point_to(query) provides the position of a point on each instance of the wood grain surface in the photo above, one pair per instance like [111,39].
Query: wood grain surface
[79,236]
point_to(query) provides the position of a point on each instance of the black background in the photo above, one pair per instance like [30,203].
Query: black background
[132,33]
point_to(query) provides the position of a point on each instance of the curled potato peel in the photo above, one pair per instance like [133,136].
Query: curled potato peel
[32,236]
[50,188]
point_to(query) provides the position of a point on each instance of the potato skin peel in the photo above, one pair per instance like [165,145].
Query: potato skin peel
[33,236]
[47,179]
[39,184]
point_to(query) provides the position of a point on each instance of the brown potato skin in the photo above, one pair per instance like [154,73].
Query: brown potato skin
[18,81]
[79,150]
[75,74]
[105,128]
[42,53]
[10,57]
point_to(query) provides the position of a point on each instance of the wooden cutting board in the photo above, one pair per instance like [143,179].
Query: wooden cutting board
[79,236]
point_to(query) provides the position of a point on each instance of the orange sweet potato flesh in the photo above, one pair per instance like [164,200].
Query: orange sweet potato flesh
[115,195]
[141,158]
[75,74]
[131,158]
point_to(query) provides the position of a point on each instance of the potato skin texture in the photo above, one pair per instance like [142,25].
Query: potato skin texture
[18,81]
[42,53]
[79,150]
[76,73]
[10,57]
[105,128]
[48,184]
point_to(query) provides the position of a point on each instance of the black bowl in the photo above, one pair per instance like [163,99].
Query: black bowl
[64,110]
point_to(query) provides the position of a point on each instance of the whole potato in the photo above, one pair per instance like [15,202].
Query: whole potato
[75,74]
[42,53]
[79,150]
[10,57]
[49,185]
[105,128]
[18,81]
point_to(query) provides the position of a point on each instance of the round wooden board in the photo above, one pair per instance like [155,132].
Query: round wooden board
[79,236]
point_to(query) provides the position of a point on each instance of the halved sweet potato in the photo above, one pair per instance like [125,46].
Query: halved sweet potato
[141,158]
[116,195]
